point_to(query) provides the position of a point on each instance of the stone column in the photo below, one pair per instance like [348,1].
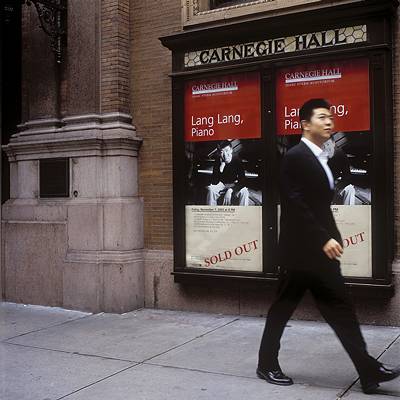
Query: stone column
[84,251]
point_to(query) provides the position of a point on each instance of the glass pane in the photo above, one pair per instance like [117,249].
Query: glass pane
[345,85]
[224,162]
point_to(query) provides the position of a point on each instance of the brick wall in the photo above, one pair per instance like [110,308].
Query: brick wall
[115,71]
[396,141]
[151,109]
[151,65]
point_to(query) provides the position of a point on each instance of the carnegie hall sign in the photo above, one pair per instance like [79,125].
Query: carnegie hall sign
[290,44]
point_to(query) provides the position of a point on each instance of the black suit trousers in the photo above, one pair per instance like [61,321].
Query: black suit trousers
[326,285]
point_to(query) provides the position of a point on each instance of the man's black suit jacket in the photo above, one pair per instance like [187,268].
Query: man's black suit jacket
[306,221]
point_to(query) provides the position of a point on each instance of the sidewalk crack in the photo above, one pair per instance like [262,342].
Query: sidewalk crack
[77,353]
[190,340]
[144,362]
[44,328]
[346,390]
[96,382]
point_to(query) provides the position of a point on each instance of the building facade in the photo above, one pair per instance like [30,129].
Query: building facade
[110,158]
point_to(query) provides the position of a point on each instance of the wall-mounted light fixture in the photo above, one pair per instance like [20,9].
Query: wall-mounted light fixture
[53,20]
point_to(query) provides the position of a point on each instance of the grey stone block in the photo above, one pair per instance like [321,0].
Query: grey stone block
[34,254]
[123,225]
[85,226]
[83,286]
[124,288]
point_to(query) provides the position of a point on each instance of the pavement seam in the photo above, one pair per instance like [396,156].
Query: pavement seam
[144,361]
[71,352]
[207,372]
[191,340]
[255,378]
[96,382]
[346,390]
[179,368]
[5,341]
[339,396]
[140,364]
[47,327]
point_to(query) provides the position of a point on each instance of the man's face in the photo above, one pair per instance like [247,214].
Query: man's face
[320,126]
[226,154]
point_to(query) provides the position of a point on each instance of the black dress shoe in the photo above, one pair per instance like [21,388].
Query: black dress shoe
[277,377]
[384,374]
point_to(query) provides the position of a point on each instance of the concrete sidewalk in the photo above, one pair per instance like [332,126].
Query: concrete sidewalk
[48,353]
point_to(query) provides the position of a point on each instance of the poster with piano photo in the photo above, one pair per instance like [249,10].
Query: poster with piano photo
[345,84]
[223,205]
[350,160]
[223,171]
[208,182]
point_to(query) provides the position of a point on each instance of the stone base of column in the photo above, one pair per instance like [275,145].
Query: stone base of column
[115,287]
[83,251]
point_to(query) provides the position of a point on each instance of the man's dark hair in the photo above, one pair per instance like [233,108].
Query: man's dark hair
[223,144]
[307,109]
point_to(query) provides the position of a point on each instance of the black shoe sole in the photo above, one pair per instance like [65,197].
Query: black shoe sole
[266,378]
[370,389]
[395,375]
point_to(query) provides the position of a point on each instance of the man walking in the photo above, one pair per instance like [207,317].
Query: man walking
[309,247]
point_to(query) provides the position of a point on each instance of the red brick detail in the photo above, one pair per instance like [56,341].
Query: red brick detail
[115,67]
[396,133]
[152,114]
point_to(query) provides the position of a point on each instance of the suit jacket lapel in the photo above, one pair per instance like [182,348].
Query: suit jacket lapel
[308,152]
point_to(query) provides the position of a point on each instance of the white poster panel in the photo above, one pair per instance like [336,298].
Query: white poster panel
[224,238]
[354,223]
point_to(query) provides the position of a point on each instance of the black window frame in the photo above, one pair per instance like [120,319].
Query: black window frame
[378,49]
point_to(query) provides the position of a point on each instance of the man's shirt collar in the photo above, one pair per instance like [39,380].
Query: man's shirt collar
[322,157]
[313,147]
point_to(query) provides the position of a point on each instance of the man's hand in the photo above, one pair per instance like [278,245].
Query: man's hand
[228,198]
[333,249]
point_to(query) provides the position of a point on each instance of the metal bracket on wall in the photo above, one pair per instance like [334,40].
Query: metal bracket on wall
[52,15]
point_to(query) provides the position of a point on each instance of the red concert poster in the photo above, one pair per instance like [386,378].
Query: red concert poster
[345,84]
[224,107]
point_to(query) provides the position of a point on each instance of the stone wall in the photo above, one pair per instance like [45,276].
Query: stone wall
[83,251]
